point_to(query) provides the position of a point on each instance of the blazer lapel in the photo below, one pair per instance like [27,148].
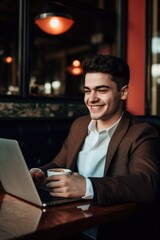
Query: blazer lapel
[77,142]
[116,139]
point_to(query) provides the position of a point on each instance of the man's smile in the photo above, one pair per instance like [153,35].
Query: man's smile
[95,107]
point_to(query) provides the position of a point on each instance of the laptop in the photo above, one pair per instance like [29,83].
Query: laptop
[16,179]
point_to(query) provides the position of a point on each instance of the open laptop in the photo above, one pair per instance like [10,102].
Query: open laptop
[16,179]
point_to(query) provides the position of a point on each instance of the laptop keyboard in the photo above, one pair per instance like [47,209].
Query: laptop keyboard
[46,197]
[49,200]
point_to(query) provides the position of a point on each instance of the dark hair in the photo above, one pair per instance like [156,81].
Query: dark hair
[115,66]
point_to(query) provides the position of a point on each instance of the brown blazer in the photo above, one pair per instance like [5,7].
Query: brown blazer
[132,168]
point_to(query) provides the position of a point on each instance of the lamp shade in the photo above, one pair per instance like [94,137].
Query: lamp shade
[53,23]
[54,18]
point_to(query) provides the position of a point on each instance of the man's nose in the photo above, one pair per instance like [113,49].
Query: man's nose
[93,97]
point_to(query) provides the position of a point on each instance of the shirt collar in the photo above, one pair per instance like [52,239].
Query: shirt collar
[110,130]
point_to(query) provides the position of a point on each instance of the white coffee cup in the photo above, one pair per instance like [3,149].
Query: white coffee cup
[58,171]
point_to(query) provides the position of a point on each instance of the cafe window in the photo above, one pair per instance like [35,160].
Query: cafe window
[9,17]
[153,58]
[35,63]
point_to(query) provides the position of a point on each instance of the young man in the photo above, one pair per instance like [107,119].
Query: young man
[114,157]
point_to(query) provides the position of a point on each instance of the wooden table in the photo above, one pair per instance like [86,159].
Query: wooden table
[21,220]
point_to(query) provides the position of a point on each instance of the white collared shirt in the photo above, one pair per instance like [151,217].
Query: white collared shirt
[91,158]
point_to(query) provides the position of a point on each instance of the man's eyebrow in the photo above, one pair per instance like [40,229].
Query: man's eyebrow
[97,87]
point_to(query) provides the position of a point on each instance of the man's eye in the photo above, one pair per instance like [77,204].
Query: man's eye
[102,90]
[86,91]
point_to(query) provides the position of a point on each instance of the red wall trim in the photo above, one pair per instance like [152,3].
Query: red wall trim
[136,56]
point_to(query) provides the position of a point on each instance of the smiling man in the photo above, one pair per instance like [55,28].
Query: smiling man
[103,99]
[114,157]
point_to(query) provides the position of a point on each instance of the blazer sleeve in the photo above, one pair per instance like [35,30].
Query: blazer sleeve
[134,172]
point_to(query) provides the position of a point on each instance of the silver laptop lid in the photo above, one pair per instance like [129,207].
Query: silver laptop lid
[16,178]
[14,173]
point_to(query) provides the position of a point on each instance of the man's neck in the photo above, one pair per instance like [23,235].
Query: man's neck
[103,124]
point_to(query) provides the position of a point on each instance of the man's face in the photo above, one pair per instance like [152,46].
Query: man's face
[102,98]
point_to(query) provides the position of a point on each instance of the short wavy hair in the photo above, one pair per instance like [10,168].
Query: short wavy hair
[115,66]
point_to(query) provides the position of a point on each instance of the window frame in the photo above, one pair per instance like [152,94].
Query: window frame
[24,46]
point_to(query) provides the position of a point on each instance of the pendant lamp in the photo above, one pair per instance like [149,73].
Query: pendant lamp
[75,68]
[54,19]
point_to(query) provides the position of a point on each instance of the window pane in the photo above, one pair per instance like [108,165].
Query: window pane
[52,56]
[154,76]
[9,81]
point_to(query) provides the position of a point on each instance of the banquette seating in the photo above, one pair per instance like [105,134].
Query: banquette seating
[40,139]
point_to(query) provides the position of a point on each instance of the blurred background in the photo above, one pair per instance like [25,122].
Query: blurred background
[46,61]
[35,64]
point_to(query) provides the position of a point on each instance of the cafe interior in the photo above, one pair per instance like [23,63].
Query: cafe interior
[41,92]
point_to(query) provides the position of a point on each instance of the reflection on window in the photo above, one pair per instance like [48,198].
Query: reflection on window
[9,82]
[155,59]
[53,56]
[52,59]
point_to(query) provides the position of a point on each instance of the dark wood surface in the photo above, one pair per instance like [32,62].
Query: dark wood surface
[22,220]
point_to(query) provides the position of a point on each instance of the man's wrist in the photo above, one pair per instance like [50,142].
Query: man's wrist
[89,190]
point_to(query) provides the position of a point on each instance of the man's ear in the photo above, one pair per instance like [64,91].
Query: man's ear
[124,92]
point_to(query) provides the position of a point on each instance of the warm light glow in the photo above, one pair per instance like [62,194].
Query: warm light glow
[54,24]
[76,71]
[76,63]
[76,68]
[56,84]
[8,59]
[47,88]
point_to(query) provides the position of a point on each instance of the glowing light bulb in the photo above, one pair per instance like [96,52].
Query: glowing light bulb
[54,22]
[56,84]
[76,63]
[47,88]
[75,68]
[8,59]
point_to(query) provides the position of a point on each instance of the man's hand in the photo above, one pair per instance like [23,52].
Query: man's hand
[70,186]
[38,175]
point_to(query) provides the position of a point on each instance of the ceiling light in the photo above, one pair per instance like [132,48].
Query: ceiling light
[54,19]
